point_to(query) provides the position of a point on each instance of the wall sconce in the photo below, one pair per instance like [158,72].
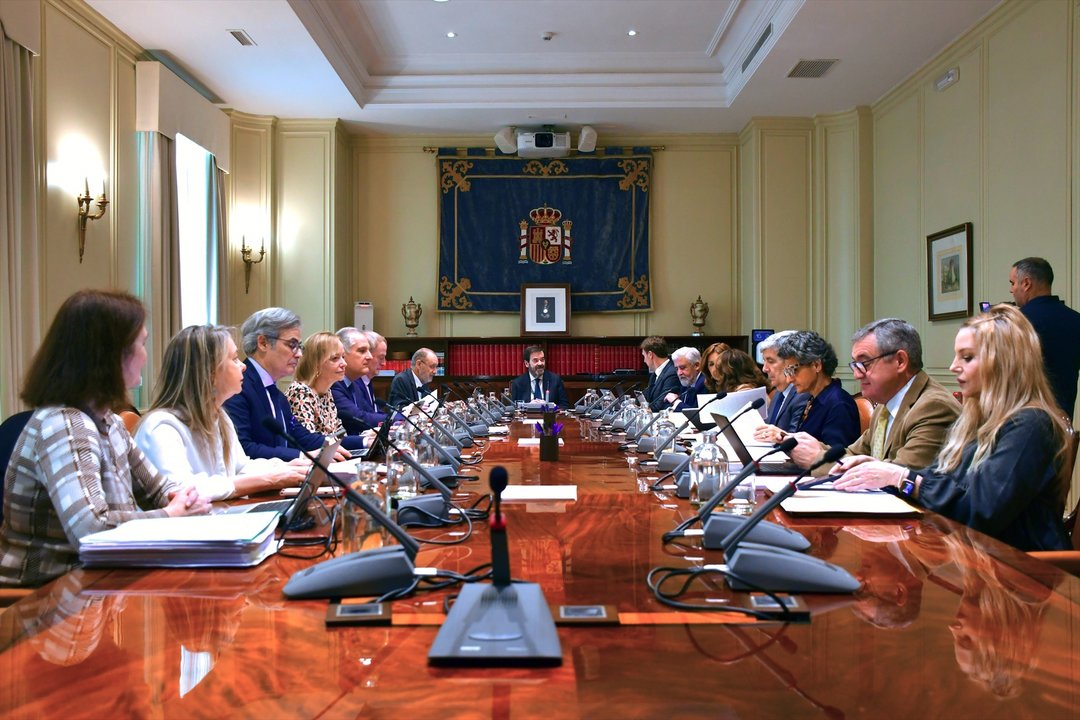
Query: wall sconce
[84,212]
[245,255]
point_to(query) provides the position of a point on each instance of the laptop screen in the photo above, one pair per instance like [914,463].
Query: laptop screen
[314,480]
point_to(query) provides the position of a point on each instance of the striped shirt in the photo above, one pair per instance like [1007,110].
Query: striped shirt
[67,479]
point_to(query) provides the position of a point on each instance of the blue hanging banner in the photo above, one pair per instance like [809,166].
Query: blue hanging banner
[505,221]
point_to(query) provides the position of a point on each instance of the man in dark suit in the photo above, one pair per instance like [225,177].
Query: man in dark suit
[662,376]
[1057,325]
[355,401]
[271,341]
[536,383]
[410,385]
[687,362]
[787,404]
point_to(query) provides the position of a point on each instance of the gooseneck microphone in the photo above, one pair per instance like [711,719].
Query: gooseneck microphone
[370,572]
[425,510]
[732,541]
[440,427]
[754,566]
[501,624]
[719,396]
[500,554]
[722,493]
[442,452]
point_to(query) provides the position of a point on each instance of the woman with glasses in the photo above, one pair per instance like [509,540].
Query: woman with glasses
[322,365]
[75,469]
[999,471]
[188,436]
[830,414]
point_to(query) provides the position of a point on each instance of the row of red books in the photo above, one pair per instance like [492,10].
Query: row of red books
[562,358]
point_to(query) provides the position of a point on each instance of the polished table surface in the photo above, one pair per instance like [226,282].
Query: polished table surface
[948,624]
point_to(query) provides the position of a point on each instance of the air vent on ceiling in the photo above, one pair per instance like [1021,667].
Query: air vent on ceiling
[242,37]
[811,68]
[757,47]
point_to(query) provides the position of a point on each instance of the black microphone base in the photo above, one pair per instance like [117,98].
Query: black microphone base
[672,462]
[464,438]
[718,525]
[779,570]
[491,626]
[424,511]
[446,473]
[359,574]
[479,430]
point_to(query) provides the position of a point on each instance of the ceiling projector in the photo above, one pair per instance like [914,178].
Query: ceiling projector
[543,143]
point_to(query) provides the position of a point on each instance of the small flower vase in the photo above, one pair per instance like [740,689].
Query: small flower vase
[549,448]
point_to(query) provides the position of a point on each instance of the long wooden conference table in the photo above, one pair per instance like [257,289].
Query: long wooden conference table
[948,624]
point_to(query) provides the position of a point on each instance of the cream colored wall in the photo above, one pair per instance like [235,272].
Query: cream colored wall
[996,149]
[1000,148]
[693,226]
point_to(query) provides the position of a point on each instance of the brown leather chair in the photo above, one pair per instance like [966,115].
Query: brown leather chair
[866,408]
[1067,560]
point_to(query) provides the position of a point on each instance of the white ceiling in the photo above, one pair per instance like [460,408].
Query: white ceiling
[387,67]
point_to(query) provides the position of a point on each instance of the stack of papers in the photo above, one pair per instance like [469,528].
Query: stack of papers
[237,540]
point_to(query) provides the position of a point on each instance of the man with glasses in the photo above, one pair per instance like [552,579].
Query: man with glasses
[787,404]
[912,412]
[411,384]
[271,341]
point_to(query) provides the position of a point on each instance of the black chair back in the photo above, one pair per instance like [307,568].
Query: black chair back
[10,430]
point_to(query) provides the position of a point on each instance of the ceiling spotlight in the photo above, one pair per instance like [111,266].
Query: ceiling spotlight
[451,34]
[631,33]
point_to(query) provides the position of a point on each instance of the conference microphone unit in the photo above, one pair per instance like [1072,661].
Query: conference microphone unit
[425,510]
[458,445]
[450,454]
[501,624]
[658,452]
[717,526]
[752,566]
[360,574]
[475,430]
[452,464]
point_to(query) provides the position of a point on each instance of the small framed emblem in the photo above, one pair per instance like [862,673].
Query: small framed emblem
[545,309]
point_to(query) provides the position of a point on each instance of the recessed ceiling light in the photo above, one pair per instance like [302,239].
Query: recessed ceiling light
[631,33]
[451,34]
[442,0]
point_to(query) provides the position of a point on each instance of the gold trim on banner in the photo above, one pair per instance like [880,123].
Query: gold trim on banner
[455,295]
[633,292]
[535,167]
[637,173]
[453,175]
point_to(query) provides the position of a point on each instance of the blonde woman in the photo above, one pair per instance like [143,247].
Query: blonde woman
[188,436]
[322,365]
[998,470]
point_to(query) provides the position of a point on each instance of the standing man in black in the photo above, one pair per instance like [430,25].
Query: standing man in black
[1057,325]
[536,383]
[663,378]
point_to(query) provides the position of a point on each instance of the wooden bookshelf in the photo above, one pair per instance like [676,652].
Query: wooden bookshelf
[582,362]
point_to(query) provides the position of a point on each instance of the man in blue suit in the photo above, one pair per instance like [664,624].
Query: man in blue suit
[411,384]
[687,361]
[662,376]
[1057,325]
[353,395]
[271,341]
[787,405]
[537,383]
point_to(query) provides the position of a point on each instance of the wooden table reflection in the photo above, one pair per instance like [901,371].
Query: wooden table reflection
[949,624]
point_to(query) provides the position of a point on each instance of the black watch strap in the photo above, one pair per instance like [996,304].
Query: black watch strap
[907,485]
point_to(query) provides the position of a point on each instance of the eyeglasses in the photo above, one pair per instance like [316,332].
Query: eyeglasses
[863,366]
[293,344]
[790,370]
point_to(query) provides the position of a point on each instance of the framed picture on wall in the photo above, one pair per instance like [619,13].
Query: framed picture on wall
[948,273]
[545,309]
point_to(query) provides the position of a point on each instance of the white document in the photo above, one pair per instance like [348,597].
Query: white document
[838,502]
[534,442]
[533,493]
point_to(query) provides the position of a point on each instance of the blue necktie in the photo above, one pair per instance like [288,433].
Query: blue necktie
[538,394]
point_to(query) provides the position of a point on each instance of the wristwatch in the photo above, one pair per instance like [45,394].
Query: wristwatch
[907,485]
